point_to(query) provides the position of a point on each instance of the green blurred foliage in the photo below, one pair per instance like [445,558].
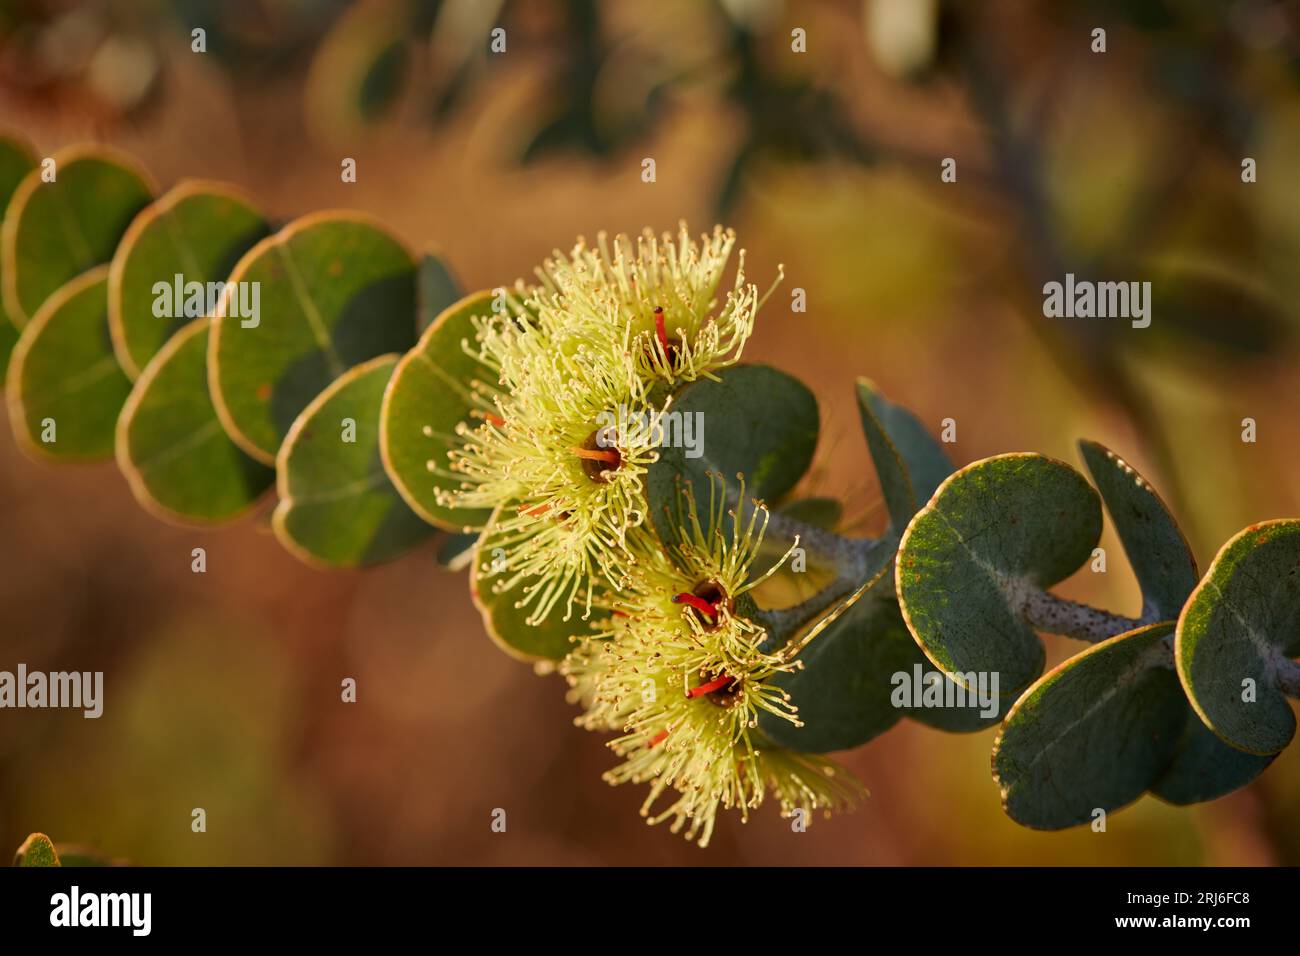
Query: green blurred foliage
[201,719]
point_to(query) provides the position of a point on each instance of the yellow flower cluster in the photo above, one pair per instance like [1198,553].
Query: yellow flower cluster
[679,672]
[676,668]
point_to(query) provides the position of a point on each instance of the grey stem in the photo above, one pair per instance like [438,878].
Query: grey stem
[1058,615]
[851,558]
[848,555]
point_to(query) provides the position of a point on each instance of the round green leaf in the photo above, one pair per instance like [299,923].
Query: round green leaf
[1205,768]
[1161,558]
[862,671]
[197,231]
[756,421]
[53,232]
[993,529]
[940,702]
[16,160]
[909,462]
[843,693]
[1093,733]
[37,850]
[179,462]
[966,713]
[507,624]
[337,506]
[336,289]
[427,399]
[1238,630]
[64,382]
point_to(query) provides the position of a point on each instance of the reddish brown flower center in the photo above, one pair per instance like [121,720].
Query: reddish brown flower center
[723,690]
[718,683]
[707,608]
[599,454]
[704,602]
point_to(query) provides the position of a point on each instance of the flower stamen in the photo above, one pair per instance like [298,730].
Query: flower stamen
[669,345]
[610,455]
[698,603]
[660,329]
[720,682]
[599,454]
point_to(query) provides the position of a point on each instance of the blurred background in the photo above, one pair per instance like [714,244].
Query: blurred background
[223,689]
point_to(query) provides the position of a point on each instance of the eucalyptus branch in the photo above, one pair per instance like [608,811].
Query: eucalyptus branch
[1057,615]
[849,556]
[1020,516]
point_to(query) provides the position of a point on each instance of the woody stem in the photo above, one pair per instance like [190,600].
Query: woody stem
[849,556]
[1044,611]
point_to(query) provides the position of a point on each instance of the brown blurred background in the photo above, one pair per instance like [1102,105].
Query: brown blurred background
[222,690]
